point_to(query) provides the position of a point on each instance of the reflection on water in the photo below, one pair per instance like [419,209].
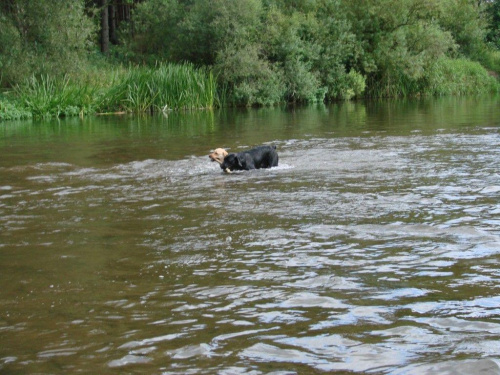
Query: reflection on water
[373,247]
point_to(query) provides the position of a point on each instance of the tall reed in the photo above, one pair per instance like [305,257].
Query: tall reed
[394,84]
[45,96]
[134,89]
[164,87]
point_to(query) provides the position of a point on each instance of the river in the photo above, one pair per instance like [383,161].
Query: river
[372,248]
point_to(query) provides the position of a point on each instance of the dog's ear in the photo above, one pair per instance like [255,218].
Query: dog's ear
[238,160]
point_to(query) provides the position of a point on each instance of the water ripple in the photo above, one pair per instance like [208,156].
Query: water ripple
[374,253]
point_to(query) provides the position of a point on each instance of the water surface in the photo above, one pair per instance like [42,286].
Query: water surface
[372,248]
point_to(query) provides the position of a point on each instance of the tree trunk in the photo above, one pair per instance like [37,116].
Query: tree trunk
[112,23]
[104,27]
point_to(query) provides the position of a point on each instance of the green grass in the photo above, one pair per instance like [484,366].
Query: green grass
[165,87]
[134,89]
[460,77]
[394,85]
[445,77]
[47,97]
[168,87]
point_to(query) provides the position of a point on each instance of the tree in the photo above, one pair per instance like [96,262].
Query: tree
[493,17]
[41,37]
[464,20]
[397,42]
[111,14]
[104,27]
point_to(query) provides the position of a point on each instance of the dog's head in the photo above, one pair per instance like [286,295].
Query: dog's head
[218,155]
[231,162]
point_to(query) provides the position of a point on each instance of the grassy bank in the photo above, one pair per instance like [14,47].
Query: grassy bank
[166,87]
[446,76]
[460,77]
[134,89]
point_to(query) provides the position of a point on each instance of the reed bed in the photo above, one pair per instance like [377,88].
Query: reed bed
[394,85]
[165,87]
[46,96]
[134,89]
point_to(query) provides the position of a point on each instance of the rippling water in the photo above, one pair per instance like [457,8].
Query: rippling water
[369,249]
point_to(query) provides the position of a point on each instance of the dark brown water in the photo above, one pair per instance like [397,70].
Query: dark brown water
[373,248]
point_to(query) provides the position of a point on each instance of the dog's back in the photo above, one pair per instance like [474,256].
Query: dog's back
[256,158]
[264,156]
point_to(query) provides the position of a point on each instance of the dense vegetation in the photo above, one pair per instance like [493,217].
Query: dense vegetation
[70,57]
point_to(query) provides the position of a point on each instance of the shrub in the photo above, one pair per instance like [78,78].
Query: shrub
[10,52]
[303,85]
[490,59]
[249,79]
[12,111]
[349,86]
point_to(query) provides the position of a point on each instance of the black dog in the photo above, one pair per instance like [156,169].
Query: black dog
[256,158]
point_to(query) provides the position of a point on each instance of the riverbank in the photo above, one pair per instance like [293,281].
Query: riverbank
[167,87]
[76,58]
[162,88]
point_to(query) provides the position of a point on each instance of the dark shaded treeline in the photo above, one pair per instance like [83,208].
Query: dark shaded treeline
[112,14]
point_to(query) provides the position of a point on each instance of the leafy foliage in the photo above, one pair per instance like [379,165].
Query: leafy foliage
[43,37]
[492,13]
[12,111]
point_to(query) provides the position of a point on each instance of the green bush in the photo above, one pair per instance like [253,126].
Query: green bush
[10,53]
[303,85]
[349,86]
[249,79]
[12,111]
[490,59]
[289,43]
